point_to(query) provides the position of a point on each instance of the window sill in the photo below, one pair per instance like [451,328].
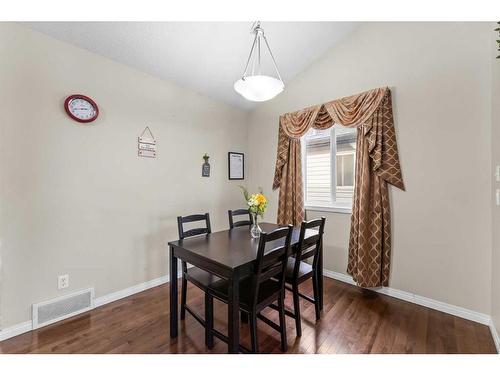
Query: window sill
[339,210]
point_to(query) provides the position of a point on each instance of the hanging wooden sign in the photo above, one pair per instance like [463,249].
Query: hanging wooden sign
[146,144]
[147,147]
[147,154]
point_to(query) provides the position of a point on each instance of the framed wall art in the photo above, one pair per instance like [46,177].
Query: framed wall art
[236,165]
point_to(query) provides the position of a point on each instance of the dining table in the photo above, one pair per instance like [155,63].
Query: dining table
[229,254]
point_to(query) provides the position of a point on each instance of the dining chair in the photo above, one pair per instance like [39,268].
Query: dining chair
[240,212]
[259,290]
[195,275]
[299,271]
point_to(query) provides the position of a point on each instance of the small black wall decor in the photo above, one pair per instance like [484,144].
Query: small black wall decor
[205,168]
[498,40]
[236,165]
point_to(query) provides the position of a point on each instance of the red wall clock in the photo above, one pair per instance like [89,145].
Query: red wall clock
[81,108]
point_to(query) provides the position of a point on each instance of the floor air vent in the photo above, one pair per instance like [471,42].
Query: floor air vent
[63,307]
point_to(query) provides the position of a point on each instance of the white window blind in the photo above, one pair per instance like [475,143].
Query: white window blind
[329,166]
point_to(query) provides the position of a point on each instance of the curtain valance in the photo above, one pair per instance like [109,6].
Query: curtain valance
[377,163]
[355,110]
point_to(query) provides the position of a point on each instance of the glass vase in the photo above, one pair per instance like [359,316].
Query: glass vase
[255,230]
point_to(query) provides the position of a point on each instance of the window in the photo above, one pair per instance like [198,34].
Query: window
[329,158]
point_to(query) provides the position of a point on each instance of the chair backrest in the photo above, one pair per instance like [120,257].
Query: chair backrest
[181,220]
[239,212]
[271,261]
[310,246]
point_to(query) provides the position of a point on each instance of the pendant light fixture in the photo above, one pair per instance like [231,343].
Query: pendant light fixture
[255,86]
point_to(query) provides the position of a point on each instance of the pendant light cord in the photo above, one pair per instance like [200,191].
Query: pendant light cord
[272,57]
[259,33]
[250,56]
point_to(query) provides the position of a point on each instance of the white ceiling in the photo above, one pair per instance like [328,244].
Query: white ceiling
[207,57]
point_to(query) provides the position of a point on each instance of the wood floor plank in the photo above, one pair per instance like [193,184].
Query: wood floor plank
[353,320]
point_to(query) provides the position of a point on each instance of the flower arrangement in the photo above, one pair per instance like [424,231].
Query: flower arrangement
[257,203]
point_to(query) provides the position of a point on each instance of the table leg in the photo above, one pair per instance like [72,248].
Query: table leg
[233,315]
[173,294]
[320,276]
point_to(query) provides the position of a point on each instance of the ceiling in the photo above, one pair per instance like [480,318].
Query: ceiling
[207,57]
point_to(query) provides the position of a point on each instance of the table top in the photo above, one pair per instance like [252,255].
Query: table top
[232,248]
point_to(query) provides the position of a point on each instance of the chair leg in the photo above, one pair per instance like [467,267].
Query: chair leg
[316,292]
[281,308]
[244,316]
[209,321]
[253,331]
[183,297]
[296,309]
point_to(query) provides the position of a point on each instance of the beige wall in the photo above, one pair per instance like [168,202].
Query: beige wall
[495,157]
[75,198]
[439,74]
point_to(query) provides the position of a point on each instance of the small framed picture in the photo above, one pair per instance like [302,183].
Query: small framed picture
[236,165]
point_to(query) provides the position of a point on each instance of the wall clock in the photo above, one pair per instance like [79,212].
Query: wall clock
[81,108]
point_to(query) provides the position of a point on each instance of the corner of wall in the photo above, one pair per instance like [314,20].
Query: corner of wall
[495,185]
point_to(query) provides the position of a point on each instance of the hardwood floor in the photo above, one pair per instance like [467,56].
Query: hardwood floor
[353,321]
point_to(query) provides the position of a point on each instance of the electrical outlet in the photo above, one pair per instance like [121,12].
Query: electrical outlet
[62,281]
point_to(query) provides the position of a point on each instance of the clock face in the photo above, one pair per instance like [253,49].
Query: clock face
[81,108]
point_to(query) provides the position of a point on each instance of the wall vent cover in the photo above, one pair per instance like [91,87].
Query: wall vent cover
[48,312]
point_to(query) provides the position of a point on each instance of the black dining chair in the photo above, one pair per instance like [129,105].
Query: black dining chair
[240,212]
[197,276]
[298,271]
[259,290]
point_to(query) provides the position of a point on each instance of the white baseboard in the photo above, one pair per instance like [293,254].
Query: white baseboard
[338,276]
[16,330]
[419,300]
[108,298]
[494,333]
[27,326]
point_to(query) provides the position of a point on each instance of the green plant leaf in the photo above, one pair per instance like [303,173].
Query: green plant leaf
[497,29]
[245,192]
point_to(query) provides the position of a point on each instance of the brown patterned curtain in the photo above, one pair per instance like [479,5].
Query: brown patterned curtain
[377,163]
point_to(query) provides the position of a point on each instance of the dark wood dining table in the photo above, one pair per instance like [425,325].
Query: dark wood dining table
[228,254]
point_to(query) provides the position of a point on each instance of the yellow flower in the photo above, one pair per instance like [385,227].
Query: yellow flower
[261,199]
